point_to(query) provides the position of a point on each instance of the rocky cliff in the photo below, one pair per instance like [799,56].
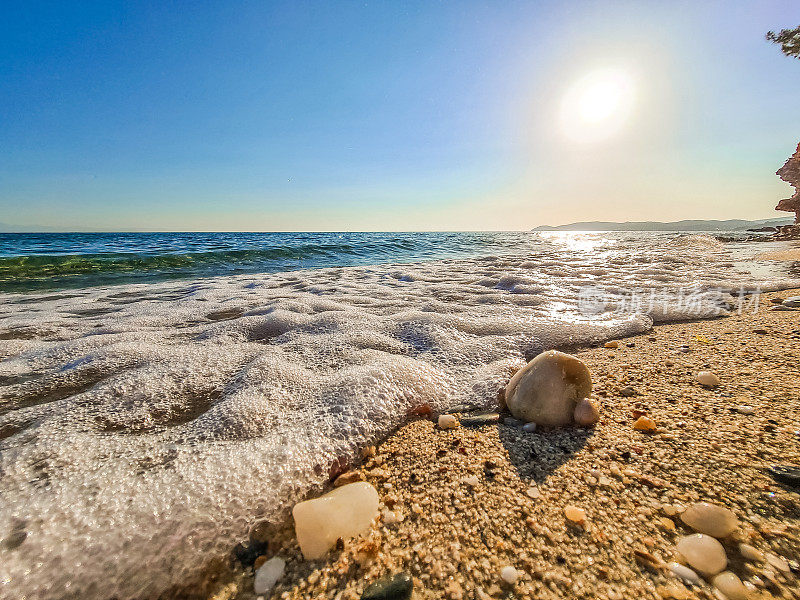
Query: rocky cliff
[790,173]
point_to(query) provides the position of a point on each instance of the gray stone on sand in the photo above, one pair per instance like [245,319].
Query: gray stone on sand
[398,587]
[793,302]
[479,420]
[547,389]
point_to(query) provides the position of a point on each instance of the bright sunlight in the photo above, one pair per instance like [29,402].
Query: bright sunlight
[597,106]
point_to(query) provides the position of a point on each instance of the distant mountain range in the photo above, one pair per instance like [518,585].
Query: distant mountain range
[686,225]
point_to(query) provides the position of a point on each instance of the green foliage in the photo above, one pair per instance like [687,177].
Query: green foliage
[788,39]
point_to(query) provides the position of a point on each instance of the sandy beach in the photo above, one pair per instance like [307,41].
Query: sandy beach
[459,505]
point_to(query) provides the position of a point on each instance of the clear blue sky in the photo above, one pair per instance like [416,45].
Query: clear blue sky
[387,115]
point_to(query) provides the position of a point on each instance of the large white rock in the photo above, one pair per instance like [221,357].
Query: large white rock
[268,575]
[703,553]
[345,512]
[547,389]
[711,519]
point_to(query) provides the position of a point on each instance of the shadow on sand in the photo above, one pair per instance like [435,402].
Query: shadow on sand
[536,455]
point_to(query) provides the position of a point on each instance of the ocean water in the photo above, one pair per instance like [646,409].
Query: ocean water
[145,425]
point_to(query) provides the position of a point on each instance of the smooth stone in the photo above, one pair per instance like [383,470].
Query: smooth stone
[529,427]
[611,344]
[711,519]
[703,553]
[730,586]
[787,474]
[793,302]
[547,389]
[509,574]
[628,391]
[685,573]
[447,422]
[751,553]
[745,409]
[574,513]
[707,378]
[268,575]
[778,562]
[479,420]
[345,512]
[644,423]
[586,413]
[398,587]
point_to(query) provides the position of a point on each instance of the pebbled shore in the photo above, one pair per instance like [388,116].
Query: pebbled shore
[459,505]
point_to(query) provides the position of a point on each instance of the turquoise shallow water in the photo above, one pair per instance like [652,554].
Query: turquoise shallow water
[39,261]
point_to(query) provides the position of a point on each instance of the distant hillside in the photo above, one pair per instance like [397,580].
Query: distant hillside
[687,225]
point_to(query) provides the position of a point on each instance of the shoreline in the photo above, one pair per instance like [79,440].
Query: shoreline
[458,505]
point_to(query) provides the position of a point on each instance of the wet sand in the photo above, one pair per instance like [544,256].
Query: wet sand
[458,505]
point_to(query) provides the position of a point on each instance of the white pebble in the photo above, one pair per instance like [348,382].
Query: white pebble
[343,513]
[529,427]
[778,562]
[711,519]
[707,378]
[268,575]
[730,585]
[751,553]
[509,574]
[472,480]
[703,553]
[744,409]
[447,422]
[683,572]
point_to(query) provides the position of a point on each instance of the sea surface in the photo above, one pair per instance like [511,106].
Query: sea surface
[159,393]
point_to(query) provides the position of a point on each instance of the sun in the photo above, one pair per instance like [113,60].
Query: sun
[597,105]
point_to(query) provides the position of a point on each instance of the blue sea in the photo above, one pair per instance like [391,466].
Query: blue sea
[37,261]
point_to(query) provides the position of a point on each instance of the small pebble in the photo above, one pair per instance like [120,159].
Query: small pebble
[751,553]
[509,574]
[744,409]
[703,553]
[611,344]
[628,391]
[586,413]
[711,519]
[793,302]
[685,573]
[472,481]
[574,513]
[479,420]
[529,427]
[533,492]
[778,562]
[447,422]
[730,586]
[268,575]
[707,379]
[398,587]
[644,423]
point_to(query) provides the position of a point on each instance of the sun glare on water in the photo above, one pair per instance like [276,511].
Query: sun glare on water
[596,106]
